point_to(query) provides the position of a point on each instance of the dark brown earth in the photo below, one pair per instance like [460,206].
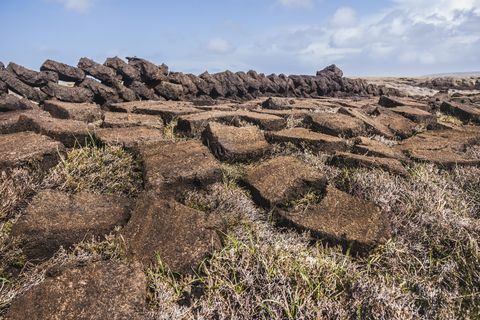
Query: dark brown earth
[55,219]
[185,132]
[181,236]
[103,290]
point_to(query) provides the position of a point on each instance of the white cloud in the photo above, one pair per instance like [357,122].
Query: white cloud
[297,3]
[411,34]
[405,37]
[219,46]
[80,6]
[344,17]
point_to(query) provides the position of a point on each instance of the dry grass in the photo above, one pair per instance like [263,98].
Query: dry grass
[15,186]
[169,130]
[430,269]
[99,170]
[107,170]
[83,253]
[446,119]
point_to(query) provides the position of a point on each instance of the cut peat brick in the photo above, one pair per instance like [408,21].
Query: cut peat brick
[102,290]
[87,112]
[124,120]
[416,115]
[28,148]
[69,132]
[392,102]
[10,102]
[181,236]
[68,94]
[168,110]
[57,219]
[230,143]
[372,124]
[464,112]
[182,164]
[282,179]
[310,139]
[336,124]
[9,121]
[445,148]
[350,160]
[342,218]
[129,138]
[194,124]
[398,124]
[296,114]
[369,147]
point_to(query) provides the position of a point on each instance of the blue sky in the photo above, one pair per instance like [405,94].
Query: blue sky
[392,37]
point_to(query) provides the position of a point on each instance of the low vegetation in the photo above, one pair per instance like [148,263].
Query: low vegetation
[429,269]
[107,170]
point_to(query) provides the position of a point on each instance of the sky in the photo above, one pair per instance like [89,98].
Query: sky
[364,38]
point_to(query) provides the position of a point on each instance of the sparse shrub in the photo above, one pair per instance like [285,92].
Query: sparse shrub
[107,169]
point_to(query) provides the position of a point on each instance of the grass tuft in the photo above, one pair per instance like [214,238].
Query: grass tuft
[102,170]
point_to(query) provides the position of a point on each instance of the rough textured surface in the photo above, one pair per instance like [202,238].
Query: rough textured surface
[282,179]
[102,94]
[24,148]
[442,147]
[140,79]
[87,112]
[339,217]
[180,235]
[309,139]
[64,71]
[69,132]
[373,126]
[56,219]
[416,115]
[194,124]
[17,86]
[10,102]
[68,94]
[336,124]
[149,71]
[126,71]
[123,120]
[98,71]
[369,147]
[168,110]
[103,290]
[396,123]
[129,137]
[31,77]
[235,143]
[349,160]
[392,102]
[464,112]
[178,163]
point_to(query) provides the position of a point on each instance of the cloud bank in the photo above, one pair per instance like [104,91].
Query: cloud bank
[409,37]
